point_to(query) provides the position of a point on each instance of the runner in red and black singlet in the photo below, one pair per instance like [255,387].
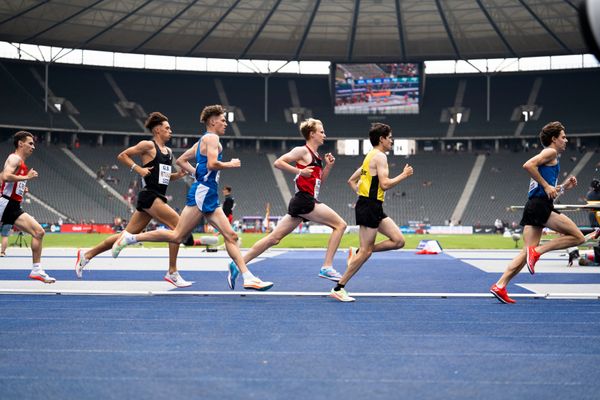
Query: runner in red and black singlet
[312,183]
[304,206]
[14,185]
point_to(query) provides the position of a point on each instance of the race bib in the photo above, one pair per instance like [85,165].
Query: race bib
[317,187]
[20,188]
[532,184]
[164,174]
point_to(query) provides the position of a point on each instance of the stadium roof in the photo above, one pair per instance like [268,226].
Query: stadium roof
[328,30]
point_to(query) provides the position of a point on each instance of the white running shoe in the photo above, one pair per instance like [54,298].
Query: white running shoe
[80,263]
[120,243]
[40,275]
[341,295]
[256,284]
[177,280]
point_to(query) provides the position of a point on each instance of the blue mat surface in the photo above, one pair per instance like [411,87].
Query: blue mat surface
[92,347]
[295,347]
[297,271]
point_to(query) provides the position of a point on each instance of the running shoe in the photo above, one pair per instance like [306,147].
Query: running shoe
[256,284]
[177,280]
[40,275]
[501,294]
[532,258]
[330,273]
[232,275]
[341,295]
[120,244]
[573,253]
[80,263]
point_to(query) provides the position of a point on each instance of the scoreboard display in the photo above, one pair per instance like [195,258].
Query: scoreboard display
[376,88]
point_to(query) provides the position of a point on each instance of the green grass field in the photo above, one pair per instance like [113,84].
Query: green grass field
[76,240]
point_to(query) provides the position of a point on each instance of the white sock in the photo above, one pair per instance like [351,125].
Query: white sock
[129,238]
[36,266]
[327,267]
[247,276]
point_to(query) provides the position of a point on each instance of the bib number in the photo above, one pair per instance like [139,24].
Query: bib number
[21,188]
[164,174]
[532,184]
[317,187]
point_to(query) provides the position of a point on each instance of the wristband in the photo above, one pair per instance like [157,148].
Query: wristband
[133,166]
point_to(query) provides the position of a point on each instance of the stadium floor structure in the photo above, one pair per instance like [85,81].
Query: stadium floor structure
[423,326]
[139,271]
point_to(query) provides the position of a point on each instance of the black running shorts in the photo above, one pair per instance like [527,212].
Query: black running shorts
[146,199]
[537,211]
[369,212]
[10,210]
[301,203]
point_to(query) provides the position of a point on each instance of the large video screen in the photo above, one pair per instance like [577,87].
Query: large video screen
[377,88]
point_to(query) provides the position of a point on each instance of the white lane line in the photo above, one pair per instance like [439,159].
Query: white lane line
[591,290]
[138,260]
[48,290]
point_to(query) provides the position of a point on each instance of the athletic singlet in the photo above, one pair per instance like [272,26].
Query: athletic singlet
[15,190]
[204,175]
[158,179]
[368,186]
[550,175]
[312,184]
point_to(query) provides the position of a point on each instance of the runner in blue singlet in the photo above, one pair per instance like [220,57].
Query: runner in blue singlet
[203,197]
[539,210]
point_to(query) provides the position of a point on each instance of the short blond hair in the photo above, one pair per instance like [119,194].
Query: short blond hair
[309,125]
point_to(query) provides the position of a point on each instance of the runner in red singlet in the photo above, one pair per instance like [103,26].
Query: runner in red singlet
[304,206]
[14,182]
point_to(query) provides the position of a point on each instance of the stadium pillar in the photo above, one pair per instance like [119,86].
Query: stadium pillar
[283,145]
[487,115]
[469,145]
[126,141]
[496,146]
[257,145]
[267,98]
[46,88]
[100,140]
[48,138]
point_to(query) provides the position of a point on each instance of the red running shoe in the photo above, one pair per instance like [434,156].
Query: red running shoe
[501,294]
[532,258]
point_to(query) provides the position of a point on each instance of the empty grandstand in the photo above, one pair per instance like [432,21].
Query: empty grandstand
[264,105]
[96,128]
